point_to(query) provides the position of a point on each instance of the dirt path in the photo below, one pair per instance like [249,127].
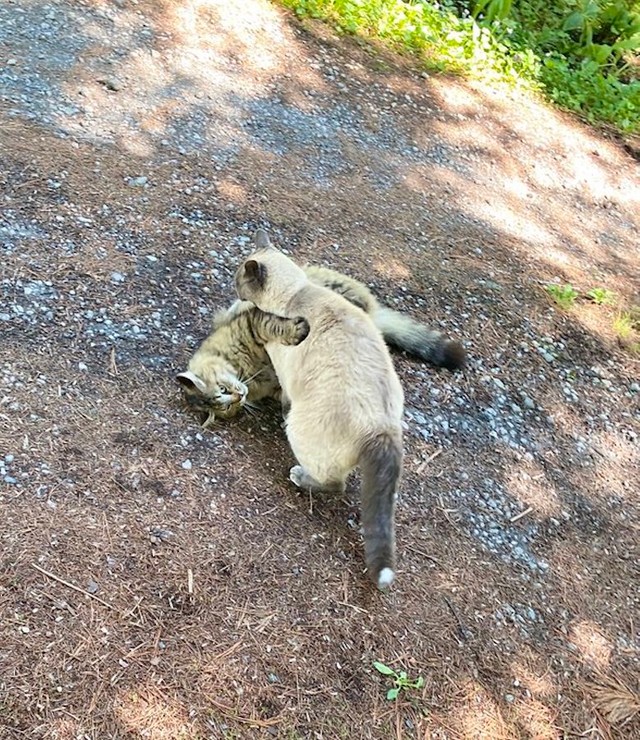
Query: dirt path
[141,143]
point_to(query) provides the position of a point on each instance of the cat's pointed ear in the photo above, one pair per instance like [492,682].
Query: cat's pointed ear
[261,240]
[191,380]
[255,272]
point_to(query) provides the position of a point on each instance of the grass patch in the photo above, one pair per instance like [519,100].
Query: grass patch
[580,53]
[626,325]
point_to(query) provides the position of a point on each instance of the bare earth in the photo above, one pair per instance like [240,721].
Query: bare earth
[161,581]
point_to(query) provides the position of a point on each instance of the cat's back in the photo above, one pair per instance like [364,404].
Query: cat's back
[353,290]
[337,324]
[343,363]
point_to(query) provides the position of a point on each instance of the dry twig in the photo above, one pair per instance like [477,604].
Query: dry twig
[71,585]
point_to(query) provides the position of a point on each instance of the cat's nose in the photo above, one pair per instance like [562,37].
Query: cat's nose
[236,397]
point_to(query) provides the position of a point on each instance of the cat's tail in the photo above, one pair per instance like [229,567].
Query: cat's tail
[381,465]
[417,339]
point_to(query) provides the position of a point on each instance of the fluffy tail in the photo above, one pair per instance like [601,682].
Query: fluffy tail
[381,464]
[404,333]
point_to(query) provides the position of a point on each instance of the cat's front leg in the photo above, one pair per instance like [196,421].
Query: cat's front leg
[227,315]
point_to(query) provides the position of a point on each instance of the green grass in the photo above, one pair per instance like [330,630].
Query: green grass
[627,327]
[530,44]
[441,37]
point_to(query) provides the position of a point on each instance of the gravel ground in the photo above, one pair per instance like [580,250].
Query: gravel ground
[140,146]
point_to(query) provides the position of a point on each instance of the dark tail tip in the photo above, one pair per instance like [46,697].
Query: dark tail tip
[454,356]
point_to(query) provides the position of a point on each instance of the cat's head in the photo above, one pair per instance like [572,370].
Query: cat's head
[216,392]
[268,277]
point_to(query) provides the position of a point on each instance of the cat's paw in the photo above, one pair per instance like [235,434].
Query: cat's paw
[298,476]
[300,330]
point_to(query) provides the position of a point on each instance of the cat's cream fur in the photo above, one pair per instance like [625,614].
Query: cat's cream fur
[344,400]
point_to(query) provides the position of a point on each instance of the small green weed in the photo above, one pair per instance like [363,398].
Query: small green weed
[400,680]
[564,295]
[600,296]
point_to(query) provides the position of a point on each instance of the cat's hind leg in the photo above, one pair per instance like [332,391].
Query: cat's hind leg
[302,479]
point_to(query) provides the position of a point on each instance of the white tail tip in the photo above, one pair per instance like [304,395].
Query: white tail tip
[385,578]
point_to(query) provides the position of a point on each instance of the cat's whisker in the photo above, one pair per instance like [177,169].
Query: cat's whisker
[251,377]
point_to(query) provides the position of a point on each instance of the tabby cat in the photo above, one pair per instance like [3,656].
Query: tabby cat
[233,356]
[231,370]
[342,396]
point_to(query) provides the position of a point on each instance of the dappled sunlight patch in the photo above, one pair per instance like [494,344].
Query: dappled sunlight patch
[455,94]
[536,719]
[65,729]
[186,83]
[619,449]
[611,455]
[597,320]
[517,187]
[256,34]
[528,200]
[480,717]
[513,220]
[391,268]
[539,684]
[232,191]
[149,712]
[594,649]
[534,490]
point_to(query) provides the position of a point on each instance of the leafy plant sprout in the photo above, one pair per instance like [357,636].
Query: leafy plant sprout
[600,296]
[564,295]
[400,680]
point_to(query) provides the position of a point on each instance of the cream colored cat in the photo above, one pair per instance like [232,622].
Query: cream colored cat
[342,396]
